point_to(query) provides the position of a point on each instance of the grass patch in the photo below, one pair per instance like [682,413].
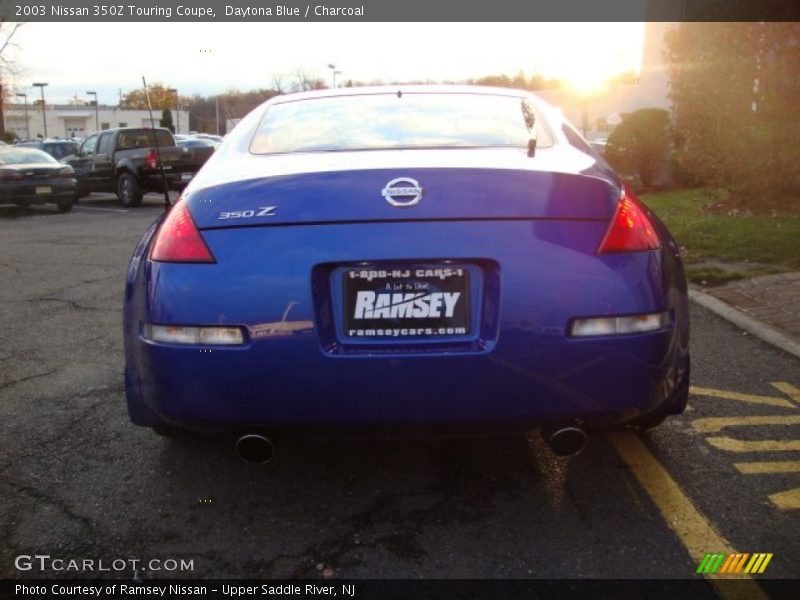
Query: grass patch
[711,276]
[772,240]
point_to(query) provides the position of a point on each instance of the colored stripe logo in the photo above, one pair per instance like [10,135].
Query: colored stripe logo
[738,562]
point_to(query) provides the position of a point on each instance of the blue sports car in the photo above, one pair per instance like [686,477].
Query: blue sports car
[417,257]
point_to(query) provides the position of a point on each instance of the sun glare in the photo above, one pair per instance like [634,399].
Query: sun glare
[593,54]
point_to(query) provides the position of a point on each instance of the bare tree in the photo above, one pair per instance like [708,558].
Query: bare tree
[7,32]
[278,81]
[305,80]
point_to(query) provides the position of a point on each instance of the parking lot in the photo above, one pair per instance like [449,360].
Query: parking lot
[80,481]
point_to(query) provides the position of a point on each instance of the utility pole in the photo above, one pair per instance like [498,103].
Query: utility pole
[96,111]
[41,87]
[27,121]
[177,110]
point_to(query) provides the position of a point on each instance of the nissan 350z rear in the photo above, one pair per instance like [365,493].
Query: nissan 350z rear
[434,258]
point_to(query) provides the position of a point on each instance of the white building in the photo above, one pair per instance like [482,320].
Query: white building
[67,120]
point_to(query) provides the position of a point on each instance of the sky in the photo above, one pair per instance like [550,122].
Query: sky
[210,58]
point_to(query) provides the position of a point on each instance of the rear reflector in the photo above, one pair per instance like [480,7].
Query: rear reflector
[179,240]
[201,336]
[630,230]
[618,325]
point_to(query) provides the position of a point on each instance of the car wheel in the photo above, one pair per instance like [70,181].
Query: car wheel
[649,421]
[674,405]
[166,431]
[65,206]
[129,191]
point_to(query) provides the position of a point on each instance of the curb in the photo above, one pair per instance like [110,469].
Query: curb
[750,324]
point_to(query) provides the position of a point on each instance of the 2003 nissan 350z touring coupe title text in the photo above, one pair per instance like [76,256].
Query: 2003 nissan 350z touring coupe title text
[421,257]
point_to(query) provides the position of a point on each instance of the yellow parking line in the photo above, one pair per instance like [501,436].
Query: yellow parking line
[733,445]
[788,500]
[713,424]
[693,529]
[781,466]
[751,398]
[788,389]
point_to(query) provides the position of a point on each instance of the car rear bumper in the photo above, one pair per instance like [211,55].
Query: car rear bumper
[528,380]
[296,370]
[176,180]
[26,195]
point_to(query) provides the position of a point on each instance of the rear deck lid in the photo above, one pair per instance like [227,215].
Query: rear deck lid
[403,194]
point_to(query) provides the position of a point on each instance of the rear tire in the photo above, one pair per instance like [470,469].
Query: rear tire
[129,191]
[650,421]
[65,206]
[674,405]
[166,431]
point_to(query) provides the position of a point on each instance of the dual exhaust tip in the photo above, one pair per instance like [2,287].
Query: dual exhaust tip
[255,448]
[258,449]
[565,441]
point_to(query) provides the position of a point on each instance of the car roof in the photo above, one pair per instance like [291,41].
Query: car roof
[114,129]
[14,149]
[403,89]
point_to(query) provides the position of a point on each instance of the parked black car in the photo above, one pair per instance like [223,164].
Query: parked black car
[125,161]
[30,176]
[200,149]
[58,149]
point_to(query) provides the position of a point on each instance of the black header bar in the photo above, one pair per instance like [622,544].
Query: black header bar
[401,11]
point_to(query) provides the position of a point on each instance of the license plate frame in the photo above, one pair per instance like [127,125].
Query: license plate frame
[44,189]
[418,302]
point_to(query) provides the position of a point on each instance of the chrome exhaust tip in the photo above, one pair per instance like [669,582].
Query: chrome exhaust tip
[565,441]
[255,448]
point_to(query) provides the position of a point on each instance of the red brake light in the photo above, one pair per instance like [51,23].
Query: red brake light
[10,174]
[150,159]
[179,240]
[630,229]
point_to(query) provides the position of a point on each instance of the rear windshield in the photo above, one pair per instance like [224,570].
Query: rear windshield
[60,151]
[201,143]
[143,138]
[21,156]
[387,121]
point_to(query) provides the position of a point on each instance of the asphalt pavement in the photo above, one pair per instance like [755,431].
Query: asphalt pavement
[79,481]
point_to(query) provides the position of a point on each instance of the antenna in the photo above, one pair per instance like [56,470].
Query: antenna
[167,203]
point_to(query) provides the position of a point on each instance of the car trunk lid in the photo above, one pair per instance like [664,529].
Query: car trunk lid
[381,195]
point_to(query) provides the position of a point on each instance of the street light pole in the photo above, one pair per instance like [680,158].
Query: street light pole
[96,111]
[41,87]
[27,121]
[335,73]
[177,110]
[216,111]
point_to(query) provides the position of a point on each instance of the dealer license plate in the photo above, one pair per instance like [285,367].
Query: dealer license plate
[415,302]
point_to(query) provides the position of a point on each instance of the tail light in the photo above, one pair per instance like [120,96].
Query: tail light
[66,173]
[179,240]
[630,229]
[9,174]
[151,160]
